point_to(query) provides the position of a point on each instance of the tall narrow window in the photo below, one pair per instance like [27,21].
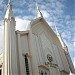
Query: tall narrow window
[0,72]
[27,66]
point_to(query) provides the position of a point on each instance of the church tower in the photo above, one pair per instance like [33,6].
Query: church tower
[10,55]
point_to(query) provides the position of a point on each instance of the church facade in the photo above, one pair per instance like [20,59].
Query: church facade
[35,51]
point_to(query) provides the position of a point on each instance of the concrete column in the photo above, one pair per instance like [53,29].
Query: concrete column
[7,44]
[21,58]
[10,53]
[34,65]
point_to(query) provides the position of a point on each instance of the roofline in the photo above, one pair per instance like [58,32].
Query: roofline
[41,18]
[35,21]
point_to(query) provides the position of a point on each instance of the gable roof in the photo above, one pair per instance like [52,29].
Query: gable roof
[41,19]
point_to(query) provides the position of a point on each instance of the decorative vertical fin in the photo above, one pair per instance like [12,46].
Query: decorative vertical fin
[59,36]
[39,14]
[65,48]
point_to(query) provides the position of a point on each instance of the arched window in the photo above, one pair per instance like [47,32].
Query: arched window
[26,65]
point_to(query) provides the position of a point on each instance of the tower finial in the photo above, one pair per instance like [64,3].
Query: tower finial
[39,14]
[9,12]
[9,1]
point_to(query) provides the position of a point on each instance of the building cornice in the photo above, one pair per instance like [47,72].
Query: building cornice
[22,32]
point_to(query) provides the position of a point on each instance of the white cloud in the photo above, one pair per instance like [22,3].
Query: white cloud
[45,13]
[1,40]
[74,43]
[2,4]
[1,36]
[21,24]
[0,12]
[18,10]
[59,5]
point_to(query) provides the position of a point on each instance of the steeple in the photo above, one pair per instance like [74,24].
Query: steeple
[10,43]
[39,14]
[9,12]
[60,38]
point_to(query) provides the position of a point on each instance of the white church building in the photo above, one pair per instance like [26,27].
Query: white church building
[35,51]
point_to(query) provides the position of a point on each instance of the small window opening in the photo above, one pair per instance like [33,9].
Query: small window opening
[26,65]
[0,72]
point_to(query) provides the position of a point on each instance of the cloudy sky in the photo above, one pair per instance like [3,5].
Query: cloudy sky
[60,11]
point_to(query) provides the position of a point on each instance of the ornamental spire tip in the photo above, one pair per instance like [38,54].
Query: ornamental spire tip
[39,14]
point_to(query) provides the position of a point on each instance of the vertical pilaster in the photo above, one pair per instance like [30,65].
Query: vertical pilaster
[10,53]
[34,64]
[21,57]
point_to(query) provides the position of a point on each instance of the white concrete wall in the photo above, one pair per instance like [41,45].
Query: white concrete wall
[49,43]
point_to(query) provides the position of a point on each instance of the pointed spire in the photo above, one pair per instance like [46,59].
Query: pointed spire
[65,48]
[39,14]
[9,12]
[56,30]
[60,38]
